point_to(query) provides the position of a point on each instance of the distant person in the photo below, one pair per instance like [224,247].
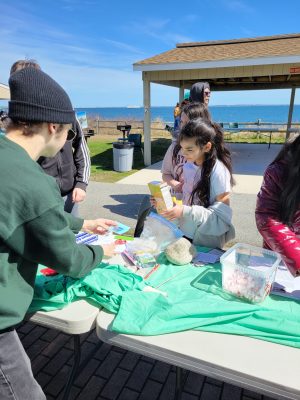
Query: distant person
[34,228]
[176,116]
[176,129]
[278,205]
[186,96]
[200,92]
[71,165]
[3,116]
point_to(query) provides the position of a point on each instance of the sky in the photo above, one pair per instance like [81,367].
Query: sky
[89,46]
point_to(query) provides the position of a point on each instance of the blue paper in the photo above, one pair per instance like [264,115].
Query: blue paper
[119,229]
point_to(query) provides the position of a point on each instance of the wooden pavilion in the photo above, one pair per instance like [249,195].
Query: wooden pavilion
[269,62]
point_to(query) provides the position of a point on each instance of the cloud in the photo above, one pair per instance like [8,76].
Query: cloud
[123,46]
[190,18]
[248,32]
[238,6]
[104,87]
[90,78]
[158,29]
[73,5]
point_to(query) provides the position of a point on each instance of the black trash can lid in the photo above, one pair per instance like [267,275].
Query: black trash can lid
[123,145]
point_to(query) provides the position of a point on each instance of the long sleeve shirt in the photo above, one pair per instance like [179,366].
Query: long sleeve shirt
[34,229]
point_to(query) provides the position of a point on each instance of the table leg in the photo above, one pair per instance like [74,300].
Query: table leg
[178,389]
[76,362]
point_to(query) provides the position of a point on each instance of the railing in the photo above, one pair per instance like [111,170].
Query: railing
[258,124]
[137,126]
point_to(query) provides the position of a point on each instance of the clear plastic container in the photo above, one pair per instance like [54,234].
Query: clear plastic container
[248,272]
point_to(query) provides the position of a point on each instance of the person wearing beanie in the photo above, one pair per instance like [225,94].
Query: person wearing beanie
[71,165]
[200,93]
[34,228]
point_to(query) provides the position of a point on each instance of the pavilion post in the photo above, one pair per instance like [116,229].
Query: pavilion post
[291,109]
[181,91]
[147,120]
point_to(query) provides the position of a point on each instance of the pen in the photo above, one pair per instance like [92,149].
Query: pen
[155,268]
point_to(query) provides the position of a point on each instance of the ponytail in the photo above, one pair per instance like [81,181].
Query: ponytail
[223,154]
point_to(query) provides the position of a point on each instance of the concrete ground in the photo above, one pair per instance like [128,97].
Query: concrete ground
[116,374]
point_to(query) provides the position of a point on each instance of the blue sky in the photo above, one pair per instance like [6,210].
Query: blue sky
[89,46]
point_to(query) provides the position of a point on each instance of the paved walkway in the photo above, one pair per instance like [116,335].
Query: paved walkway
[113,373]
[249,163]
[116,374]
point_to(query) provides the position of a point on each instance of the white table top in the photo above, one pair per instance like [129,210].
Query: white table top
[76,318]
[264,367]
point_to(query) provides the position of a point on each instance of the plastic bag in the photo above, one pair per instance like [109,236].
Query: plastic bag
[160,231]
[141,252]
[141,246]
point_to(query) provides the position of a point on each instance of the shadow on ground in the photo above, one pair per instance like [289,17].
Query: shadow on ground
[128,204]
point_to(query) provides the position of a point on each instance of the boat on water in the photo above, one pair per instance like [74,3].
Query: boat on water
[133,106]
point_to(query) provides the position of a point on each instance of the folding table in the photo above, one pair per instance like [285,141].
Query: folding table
[261,366]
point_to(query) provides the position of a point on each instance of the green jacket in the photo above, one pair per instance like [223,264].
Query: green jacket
[34,229]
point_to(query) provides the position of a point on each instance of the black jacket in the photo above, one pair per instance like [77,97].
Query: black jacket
[71,165]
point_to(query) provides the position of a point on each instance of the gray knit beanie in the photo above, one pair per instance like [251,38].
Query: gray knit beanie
[35,97]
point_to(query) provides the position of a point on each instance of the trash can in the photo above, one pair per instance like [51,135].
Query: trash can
[123,156]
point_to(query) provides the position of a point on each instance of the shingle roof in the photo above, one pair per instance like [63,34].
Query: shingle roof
[267,46]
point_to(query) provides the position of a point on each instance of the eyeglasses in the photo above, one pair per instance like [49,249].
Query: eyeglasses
[207,93]
[71,135]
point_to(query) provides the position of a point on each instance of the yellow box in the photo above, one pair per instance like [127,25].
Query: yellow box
[161,192]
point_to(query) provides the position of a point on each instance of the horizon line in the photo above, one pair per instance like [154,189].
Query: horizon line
[215,105]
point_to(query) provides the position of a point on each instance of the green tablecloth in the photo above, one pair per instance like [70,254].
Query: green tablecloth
[195,301]
[104,286]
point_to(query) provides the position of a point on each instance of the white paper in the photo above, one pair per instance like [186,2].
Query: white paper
[286,284]
[206,258]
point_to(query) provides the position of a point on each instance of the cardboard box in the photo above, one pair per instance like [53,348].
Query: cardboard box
[161,192]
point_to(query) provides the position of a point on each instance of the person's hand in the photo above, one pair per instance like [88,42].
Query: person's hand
[108,249]
[78,195]
[97,226]
[175,212]
[223,198]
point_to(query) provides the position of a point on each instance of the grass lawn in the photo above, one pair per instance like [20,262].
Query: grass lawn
[101,151]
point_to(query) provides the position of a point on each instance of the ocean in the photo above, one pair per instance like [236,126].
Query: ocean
[244,113]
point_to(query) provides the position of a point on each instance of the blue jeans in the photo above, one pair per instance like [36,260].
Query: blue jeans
[16,378]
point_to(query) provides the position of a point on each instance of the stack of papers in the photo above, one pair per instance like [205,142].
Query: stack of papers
[211,257]
[285,284]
